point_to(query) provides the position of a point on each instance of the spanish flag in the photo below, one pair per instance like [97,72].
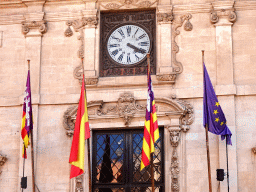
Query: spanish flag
[151,131]
[27,123]
[81,132]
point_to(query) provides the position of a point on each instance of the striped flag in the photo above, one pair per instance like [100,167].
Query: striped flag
[81,132]
[27,122]
[151,131]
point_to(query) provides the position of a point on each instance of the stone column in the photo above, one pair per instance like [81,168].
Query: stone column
[223,16]
[33,28]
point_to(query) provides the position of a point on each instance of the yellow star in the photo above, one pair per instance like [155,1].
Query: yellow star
[217,119]
[217,104]
[215,112]
[222,123]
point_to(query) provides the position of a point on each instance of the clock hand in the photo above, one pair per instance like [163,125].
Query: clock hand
[136,49]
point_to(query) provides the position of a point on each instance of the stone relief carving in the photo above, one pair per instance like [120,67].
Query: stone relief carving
[128,4]
[177,66]
[167,77]
[228,13]
[79,183]
[165,17]
[40,25]
[3,159]
[78,26]
[128,107]
[254,150]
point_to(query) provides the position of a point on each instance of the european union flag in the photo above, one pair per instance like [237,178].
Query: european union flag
[213,114]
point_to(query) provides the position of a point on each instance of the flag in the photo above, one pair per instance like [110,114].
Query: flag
[213,114]
[106,172]
[151,131]
[81,132]
[27,122]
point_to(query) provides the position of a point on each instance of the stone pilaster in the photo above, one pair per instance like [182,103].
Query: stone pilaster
[223,16]
[164,50]
[33,29]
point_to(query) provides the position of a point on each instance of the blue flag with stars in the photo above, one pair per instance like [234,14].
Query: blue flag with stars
[213,114]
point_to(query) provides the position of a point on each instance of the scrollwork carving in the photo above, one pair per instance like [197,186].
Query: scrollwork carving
[254,150]
[3,159]
[178,68]
[40,25]
[228,13]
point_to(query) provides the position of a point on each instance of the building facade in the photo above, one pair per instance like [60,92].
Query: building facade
[113,37]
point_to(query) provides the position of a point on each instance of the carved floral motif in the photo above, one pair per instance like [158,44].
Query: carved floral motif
[40,25]
[122,4]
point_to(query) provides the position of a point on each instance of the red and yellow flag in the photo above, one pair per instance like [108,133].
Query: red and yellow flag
[151,131]
[27,122]
[81,132]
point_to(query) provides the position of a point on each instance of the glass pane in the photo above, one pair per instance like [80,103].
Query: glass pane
[146,189]
[110,157]
[145,174]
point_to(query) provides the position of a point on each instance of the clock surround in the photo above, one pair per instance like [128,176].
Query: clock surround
[111,21]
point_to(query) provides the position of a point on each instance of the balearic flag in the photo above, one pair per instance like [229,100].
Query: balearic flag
[213,114]
[151,131]
[81,132]
[27,121]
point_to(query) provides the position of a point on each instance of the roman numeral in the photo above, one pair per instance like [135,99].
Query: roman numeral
[120,58]
[119,40]
[140,37]
[135,33]
[128,59]
[121,33]
[137,57]
[128,28]
[145,43]
[114,45]
[115,52]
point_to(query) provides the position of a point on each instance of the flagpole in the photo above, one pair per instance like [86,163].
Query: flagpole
[151,154]
[227,162]
[207,141]
[88,142]
[32,149]
[23,161]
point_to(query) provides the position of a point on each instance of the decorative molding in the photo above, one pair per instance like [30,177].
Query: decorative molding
[28,25]
[3,159]
[128,4]
[177,66]
[254,150]
[223,10]
[127,107]
[167,77]
[165,18]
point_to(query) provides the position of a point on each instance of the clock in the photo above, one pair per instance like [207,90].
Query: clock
[125,39]
[128,44]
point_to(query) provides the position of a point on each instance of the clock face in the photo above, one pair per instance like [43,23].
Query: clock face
[128,44]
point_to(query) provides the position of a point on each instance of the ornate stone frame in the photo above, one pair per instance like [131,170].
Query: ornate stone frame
[176,116]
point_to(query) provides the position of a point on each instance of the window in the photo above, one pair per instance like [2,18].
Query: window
[116,162]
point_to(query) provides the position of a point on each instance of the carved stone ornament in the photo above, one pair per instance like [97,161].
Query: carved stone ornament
[79,183]
[167,77]
[177,66]
[78,73]
[79,24]
[3,159]
[28,25]
[128,4]
[165,17]
[228,13]
[254,150]
[127,108]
